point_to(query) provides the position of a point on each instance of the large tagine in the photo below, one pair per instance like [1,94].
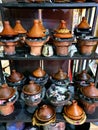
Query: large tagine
[8,96]
[83,28]
[44,115]
[39,76]
[18,28]
[74,114]
[9,38]
[32,94]
[62,39]
[36,38]
[16,79]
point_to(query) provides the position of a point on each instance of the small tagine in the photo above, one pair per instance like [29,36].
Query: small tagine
[44,115]
[16,79]
[8,96]
[79,0]
[18,28]
[86,45]
[39,76]
[62,39]
[36,38]
[89,98]
[83,28]
[9,38]
[74,114]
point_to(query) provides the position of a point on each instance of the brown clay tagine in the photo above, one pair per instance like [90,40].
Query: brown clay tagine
[8,96]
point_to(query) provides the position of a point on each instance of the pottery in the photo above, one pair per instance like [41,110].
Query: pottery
[32,94]
[86,46]
[8,96]
[45,113]
[80,0]
[74,111]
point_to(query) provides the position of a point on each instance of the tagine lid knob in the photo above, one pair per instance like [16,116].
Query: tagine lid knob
[32,88]
[6,92]
[39,72]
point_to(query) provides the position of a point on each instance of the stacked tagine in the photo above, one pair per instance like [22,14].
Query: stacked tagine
[39,76]
[88,97]
[8,97]
[86,42]
[9,38]
[62,39]
[44,115]
[74,114]
[18,28]
[36,38]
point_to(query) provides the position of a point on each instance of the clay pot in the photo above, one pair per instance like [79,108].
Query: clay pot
[45,113]
[90,91]
[74,111]
[32,94]
[39,72]
[15,76]
[8,96]
[80,0]
[86,46]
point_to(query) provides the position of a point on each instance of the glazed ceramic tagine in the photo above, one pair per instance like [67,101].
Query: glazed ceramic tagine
[82,79]
[62,39]
[36,38]
[87,45]
[83,28]
[18,28]
[60,78]
[8,97]
[9,38]
[32,94]
[16,79]
[89,98]
[74,114]
[44,115]
[39,76]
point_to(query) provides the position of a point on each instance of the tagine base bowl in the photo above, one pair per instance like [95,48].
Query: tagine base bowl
[31,109]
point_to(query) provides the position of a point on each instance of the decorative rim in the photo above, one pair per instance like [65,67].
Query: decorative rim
[15,39]
[36,39]
[64,39]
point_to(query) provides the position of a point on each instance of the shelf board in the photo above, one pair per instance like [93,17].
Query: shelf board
[48,5]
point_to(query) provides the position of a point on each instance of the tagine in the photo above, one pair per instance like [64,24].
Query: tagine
[44,115]
[8,97]
[39,76]
[36,38]
[74,114]
[62,39]
[9,38]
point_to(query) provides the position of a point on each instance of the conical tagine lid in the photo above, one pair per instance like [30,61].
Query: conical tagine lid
[15,76]
[36,30]
[84,24]
[60,75]
[74,111]
[39,72]
[90,91]
[19,28]
[8,30]
[62,31]
[6,92]
[32,88]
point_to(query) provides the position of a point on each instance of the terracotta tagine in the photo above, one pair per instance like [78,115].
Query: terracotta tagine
[18,28]
[16,79]
[79,0]
[60,78]
[45,113]
[36,38]
[8,96]
[32,94]
[9,38]
[86,45]
[39,76]
[74,114]
[62,39]
[83,28]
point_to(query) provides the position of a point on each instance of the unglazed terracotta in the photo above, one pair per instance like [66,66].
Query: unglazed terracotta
[15,76]
[39,72]
[79,0]
[45,113]
[74,111]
